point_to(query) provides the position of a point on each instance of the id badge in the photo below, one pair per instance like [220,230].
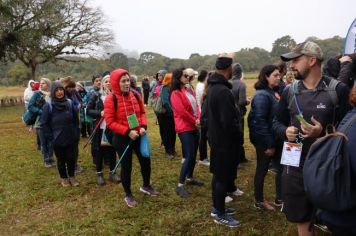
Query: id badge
[132,119]
[291,154]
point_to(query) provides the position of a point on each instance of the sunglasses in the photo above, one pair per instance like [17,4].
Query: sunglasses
[186,76]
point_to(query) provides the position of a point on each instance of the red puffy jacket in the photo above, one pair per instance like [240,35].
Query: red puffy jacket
[184,118]
[117,121]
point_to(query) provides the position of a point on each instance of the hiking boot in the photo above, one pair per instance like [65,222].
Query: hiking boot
[100,179]
[114,178]
[264,206]
[65,182]
[130,201]
[53,163]
[149,191]
[228,211]
[182,192]
[194,182]
[226,220]
[204,162]
[278,202]
[73,182]
[236,193]
[228,199]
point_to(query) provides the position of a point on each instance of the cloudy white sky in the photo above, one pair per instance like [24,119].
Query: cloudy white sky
[177,28]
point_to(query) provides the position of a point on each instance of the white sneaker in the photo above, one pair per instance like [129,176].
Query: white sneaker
[228,199]
[205,162]
[237,192]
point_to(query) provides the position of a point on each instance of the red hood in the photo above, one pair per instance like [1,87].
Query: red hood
[115,77]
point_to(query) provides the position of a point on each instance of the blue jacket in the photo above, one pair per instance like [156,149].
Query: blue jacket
[263,108]
[60,125]
[346,220]
[166,101]
[36,103]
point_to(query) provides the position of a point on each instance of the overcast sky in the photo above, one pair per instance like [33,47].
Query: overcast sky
[177,28]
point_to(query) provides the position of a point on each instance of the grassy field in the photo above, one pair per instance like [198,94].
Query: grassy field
[32,201]
[11,91]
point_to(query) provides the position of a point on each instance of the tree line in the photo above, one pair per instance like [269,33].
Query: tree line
[55,38]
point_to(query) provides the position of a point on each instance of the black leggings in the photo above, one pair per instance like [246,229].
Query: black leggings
[219,189]
[120,143]
[65,160]
[168,133]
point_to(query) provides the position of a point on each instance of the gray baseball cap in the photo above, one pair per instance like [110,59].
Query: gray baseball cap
[307,48]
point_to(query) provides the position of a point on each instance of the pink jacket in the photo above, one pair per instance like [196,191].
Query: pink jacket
[184,118]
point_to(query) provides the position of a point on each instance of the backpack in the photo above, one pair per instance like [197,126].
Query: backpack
[327,171]
[29,118]
[157,104]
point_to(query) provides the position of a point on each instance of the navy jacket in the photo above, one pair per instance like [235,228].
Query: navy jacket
[60,124]
[263,108]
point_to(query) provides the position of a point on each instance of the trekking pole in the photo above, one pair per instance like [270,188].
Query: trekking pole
[93,133]
[122,156]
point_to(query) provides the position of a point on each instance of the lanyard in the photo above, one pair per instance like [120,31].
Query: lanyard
[133,107]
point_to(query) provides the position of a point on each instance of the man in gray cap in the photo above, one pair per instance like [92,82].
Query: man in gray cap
[320,101]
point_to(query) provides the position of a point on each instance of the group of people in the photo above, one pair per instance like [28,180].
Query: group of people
[212,113]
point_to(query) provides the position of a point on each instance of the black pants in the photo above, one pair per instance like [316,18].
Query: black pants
[167,131]
[219,190]
[105,153]
[262,169]
[203,144]
[146,93]
[120,144]
[65,160]
[242,151]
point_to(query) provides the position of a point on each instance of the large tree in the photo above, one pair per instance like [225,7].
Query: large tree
[282,45]
[40,31]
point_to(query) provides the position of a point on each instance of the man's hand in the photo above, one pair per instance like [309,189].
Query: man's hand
[291,133]
[312,130]
[133,134]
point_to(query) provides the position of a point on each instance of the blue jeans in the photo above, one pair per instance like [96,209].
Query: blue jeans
[46,147]
[190,143]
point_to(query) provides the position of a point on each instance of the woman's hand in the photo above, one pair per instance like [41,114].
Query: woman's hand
[102,113]
[133,134]
[142,131]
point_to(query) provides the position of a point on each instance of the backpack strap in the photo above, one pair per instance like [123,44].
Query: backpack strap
[293,90]
[115,101]
[331,89]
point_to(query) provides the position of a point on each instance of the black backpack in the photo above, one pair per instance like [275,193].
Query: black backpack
[327,171]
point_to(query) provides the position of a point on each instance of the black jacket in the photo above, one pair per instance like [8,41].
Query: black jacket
[224,131]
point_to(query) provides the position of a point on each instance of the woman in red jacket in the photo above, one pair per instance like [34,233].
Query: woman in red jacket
[187,120]
[128,121]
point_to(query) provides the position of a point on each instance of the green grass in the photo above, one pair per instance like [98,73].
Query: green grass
[32,201]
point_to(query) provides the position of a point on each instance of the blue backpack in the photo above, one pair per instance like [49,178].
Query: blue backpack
[327,171]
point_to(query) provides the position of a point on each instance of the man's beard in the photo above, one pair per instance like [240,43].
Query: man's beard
[300,76]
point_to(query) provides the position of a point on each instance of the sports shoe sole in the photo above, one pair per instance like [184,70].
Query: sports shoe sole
[230,226]
[147,192]
[230,214]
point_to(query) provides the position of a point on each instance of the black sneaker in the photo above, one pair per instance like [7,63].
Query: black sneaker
[182,192]
[278,202]
[226,220]
[194,182]
[114,178]
[228,211]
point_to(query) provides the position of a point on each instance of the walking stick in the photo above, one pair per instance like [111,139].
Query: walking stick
[93,133]
[122,156]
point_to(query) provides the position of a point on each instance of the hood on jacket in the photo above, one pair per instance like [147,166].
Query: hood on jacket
[29,83]
[115,77]
[55,85]
[236,71]
[217,78]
